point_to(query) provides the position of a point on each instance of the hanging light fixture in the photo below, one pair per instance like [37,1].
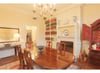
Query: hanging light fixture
[43,10]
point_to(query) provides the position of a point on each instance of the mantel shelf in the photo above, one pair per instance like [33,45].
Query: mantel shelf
[63,26]
[66,37]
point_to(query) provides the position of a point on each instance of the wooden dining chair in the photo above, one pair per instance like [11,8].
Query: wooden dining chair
[54,54]
[49,44]
[61,47]
[21,59]
[29,45]
[17,49]
[25,60]
[28,63]
[48,47]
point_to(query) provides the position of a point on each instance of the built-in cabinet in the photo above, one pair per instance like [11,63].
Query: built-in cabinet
[94,53]
[51,31]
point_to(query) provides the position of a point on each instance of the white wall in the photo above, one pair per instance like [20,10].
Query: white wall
[14,18]
[91,12]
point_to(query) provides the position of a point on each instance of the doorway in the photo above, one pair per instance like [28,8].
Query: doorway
[31,34]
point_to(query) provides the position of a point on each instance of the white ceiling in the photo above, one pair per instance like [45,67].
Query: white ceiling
[29,7]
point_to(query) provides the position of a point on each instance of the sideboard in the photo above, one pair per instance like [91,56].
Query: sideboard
[9,51]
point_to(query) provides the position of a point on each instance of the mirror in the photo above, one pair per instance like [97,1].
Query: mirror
[9,34]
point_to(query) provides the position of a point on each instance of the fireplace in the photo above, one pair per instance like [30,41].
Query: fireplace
[69,46]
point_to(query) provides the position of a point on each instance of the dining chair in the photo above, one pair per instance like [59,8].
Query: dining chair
[54,54]
[17,49]
[48,47]
[25,59]
[21,59]
[28,63]
[29,45]
[61,47]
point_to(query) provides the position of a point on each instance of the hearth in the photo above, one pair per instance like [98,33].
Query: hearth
[69,46]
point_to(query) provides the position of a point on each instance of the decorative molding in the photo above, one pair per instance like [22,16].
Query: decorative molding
[67,8]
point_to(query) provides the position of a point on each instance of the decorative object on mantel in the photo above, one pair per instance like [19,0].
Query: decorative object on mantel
[65,22]
[61,22]
[75,18]
[65,32]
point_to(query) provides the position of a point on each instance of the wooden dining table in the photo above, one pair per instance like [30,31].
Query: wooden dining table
[54,62]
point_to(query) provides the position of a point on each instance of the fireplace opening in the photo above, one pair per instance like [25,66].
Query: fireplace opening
[68,46]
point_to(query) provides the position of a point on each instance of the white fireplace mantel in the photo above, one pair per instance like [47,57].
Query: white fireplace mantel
[61,38]
[73,35]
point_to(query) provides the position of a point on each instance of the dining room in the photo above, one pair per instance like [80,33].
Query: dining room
[45,36]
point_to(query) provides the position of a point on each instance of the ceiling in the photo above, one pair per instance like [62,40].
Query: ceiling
[28,8]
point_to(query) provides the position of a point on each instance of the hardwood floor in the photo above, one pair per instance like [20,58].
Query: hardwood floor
[82,65]
[87,65]
[8,60]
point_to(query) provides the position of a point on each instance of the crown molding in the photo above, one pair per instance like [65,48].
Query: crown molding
[67,8]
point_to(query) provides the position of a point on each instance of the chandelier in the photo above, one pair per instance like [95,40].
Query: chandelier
[44,10]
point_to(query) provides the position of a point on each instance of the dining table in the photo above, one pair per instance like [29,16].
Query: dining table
[57,61]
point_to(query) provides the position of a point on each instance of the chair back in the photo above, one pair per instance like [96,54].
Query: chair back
[61,47]
[29,45]
[21,59]
[25,59]
[49,44]
[28,60]
[54,54]
[48,50]
[48,47]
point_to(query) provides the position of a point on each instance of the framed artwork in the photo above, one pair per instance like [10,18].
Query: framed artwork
[9,34]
